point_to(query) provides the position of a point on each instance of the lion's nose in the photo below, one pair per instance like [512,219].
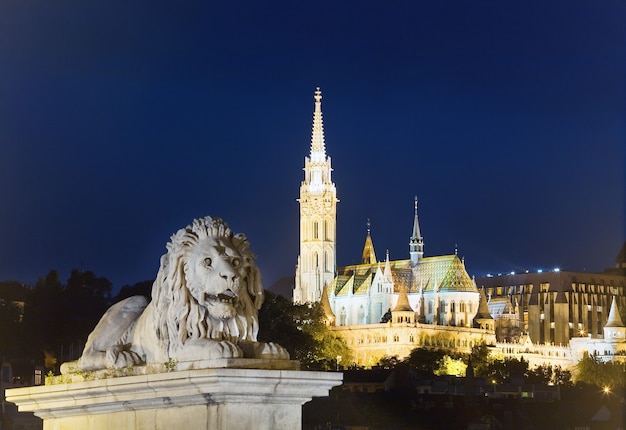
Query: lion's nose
[230,277]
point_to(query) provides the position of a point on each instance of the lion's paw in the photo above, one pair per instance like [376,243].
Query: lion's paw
[264,350]
[120,356]
[207,349]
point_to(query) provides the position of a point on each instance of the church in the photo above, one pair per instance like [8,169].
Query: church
[435,295]
[393,306]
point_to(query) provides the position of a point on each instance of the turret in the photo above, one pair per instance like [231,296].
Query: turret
[416,242]
[614,327]
[403,312]
[318,217]
[368,256]
[483,318]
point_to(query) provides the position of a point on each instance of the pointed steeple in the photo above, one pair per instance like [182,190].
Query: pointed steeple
[318,147]
[614,320]
[387,276]
[318,217]
[416,242]
[328,311]
[368,256]
[403,304]
[483,318]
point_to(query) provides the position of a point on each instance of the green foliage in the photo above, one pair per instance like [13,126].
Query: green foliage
[451,366]
[502,371]
[591,371]
[56,314]
[387,317]
[388,362]
[301,330]
[426,360]
[479,359]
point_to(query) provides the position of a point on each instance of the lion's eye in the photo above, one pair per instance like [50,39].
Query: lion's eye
[236,262]
[208,262]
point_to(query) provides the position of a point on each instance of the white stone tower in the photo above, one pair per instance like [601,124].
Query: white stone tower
[416,242]
[318,218]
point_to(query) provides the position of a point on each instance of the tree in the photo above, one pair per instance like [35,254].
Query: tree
[58,317]
[426,360]
[502,371]
[388,362]
[591,371]
[301,330]
[542,374]
[479,357]
[143,288]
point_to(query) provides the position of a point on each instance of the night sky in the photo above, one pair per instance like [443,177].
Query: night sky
[122,121]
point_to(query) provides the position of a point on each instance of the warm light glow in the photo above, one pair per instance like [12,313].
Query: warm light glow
[606,390]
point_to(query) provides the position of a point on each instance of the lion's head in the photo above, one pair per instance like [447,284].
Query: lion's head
[208,286]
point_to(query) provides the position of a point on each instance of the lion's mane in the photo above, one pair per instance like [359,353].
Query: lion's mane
[178,316]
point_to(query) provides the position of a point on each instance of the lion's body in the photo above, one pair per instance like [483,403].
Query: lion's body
[204,305]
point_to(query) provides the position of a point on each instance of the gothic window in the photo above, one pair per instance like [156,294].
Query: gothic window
[361,315]
[326,232]
[316,261]
[430,307]
[342,316]
[452,307]
[462,306]
[316,230]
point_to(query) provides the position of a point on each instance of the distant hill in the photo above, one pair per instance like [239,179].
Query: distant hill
[283,287]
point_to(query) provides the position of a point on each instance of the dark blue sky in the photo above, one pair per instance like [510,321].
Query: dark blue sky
[121,121]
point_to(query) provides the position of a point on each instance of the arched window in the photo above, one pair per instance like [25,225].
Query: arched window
[316,230]
[342,316]
[430,307]
[361,315]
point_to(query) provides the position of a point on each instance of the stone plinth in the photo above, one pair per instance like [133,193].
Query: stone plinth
[218,398]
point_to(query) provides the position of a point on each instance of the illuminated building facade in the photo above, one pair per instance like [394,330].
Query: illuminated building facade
[318,218]
[393,306]
[556,306]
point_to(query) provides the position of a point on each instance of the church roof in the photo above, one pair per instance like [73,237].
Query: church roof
[500,305]
[483,307]
[614,320]
[403,304]
[326,304]
[369,256]
[445,273]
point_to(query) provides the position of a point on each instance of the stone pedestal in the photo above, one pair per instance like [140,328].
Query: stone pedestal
[217,398]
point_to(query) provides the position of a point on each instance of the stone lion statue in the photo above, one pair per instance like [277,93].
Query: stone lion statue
[204,306]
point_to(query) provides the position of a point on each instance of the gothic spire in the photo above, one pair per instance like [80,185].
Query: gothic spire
[368,256]
[416,242]
[403,304]
[318,147]
[614,319]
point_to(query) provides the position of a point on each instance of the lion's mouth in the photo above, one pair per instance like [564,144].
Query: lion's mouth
[227,296]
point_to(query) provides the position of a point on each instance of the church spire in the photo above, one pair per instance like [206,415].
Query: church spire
[614,319]
[318,217]
[368,256]
[318,147]
[416,242]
